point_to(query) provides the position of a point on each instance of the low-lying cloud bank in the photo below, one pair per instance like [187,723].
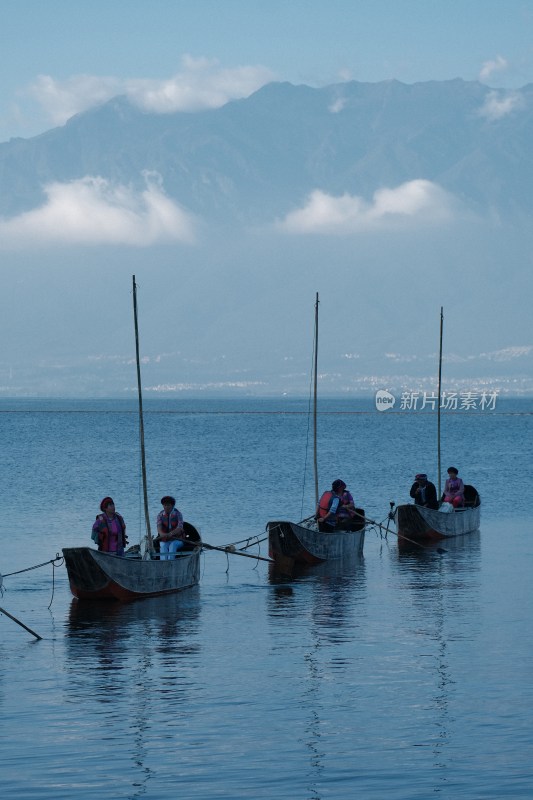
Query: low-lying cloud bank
[93,210]
[417,200]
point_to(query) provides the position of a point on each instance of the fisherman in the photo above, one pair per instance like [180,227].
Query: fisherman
[424,492]
[169,529]
[329,506]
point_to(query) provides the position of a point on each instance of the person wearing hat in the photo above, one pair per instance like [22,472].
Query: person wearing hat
[109,529]
[329,506]
[424,492]
[169,529]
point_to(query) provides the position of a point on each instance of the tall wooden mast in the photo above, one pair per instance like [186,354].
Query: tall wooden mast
[315,371]
[141,421]
[439,402]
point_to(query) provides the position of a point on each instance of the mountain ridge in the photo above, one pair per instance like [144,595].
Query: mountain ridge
[254,159]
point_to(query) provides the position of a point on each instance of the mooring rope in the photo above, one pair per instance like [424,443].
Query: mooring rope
[250,541]
[56,562]
[44,564]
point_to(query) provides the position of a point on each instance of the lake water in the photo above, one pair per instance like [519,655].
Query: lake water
[408,675]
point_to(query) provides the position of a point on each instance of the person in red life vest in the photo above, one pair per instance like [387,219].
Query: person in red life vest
[329,506]
[169,529]
[454,490]
[109,529]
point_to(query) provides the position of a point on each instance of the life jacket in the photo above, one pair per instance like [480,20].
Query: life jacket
[172,517]
[103,530]
[324,504]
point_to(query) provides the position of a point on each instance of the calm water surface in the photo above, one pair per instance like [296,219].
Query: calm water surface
[408,675]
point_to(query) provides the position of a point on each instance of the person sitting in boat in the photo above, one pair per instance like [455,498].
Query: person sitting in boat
[424,492]
[109,529]
[347,515]
[169,529]
[454,489]
[328,507]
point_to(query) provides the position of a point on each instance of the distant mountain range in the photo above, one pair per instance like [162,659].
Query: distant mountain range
[348,171]
[257,158]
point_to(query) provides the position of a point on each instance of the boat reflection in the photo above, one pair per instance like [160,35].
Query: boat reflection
[350,566]
[315,615]
[457,552]
[138,659]
[434,588]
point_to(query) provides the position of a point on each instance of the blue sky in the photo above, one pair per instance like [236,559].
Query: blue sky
[60,57]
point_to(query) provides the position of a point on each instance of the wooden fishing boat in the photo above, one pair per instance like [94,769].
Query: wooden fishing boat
[426,524]
[418,523]
[95,575]
[292,543]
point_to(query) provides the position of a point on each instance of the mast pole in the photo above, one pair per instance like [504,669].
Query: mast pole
[439,401]
[141,421]
[315,370]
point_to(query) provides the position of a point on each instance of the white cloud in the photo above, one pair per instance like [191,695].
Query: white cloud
[200,84]
[498,64]
[345,75]
[92,210]
[337,105]
[499,104]
[62,99]
[418,200]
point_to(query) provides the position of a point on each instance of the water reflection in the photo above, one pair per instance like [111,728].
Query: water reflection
[331,592]
[433,584]
[320,610]
[348,567]
[137,659]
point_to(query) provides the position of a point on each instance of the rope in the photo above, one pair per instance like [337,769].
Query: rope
[28,569]
[249,542]
[54,565]
[56,562]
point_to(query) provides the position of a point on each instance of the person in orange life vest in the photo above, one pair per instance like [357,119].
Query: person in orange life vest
[110,529]
[328,507]
[169,529]
[454,490]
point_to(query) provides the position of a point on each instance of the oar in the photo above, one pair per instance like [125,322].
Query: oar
[234,552]
[3,611]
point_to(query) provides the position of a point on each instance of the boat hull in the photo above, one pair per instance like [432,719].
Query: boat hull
[426,524]
[290,542]
[94,575]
